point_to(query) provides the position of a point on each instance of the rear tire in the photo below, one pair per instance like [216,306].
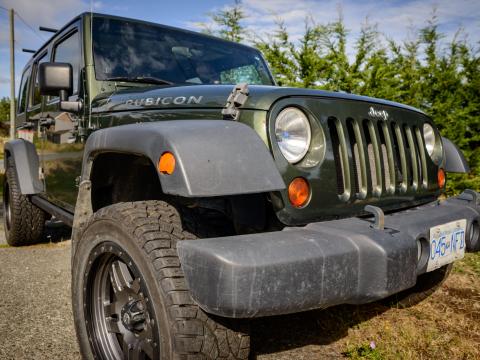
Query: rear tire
[426,285]
[141,237]
[24,223]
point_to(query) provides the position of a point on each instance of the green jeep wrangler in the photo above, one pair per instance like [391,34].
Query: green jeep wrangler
[197,201]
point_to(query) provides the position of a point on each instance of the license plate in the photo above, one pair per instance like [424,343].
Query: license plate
[447,244]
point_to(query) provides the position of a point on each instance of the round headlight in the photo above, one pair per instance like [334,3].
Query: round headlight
[293,134]
[430,138]
[433,143]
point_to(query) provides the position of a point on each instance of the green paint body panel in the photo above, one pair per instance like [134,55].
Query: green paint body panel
[109,104]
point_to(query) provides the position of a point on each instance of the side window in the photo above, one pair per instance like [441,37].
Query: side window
[22,95]
[37,99]
[69,51]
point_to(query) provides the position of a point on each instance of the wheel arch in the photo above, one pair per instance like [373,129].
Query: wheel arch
[214,159]
[455,161]
[27,165]
[123,177]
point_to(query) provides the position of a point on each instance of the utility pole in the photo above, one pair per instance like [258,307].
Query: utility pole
[12,75]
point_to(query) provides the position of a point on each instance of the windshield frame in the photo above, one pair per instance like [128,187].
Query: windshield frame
[253,50]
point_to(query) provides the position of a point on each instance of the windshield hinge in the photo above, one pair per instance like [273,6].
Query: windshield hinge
[237,98]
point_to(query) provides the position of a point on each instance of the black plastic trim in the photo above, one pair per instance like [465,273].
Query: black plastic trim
[27,165]
[61,214]
[455,161]
[213,157]
[319,265]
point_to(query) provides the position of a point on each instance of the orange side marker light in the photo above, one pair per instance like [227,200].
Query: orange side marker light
[166,164]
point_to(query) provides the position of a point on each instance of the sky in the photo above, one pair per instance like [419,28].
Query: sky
[397,19]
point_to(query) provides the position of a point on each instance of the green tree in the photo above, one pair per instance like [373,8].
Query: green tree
[227,23]
[4,109]
[441,79]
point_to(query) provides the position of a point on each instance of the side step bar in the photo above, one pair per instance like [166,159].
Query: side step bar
[61,214]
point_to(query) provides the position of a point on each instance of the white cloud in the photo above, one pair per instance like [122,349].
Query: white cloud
[395,19]
[52,13]
[49,13]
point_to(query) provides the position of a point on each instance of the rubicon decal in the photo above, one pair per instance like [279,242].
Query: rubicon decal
[382,114]
[167,100]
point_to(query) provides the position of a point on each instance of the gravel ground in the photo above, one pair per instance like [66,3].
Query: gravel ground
[36,319]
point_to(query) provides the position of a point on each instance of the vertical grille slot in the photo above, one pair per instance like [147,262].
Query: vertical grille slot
[373,157]
[400,156]
[423,160]
[388,157]
[358,157]
[341,158]
[413,157]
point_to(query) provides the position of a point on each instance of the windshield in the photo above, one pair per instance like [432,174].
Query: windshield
[126,49]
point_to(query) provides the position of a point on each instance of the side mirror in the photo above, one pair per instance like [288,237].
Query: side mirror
[55,79]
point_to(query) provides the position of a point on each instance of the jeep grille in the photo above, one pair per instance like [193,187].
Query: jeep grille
[373,157]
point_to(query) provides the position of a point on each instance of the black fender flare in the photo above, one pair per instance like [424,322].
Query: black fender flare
[27,165]
[213,157]
[454,160]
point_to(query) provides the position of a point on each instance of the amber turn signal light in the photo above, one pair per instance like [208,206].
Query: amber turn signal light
[442,178]
[298,192]
[166,164]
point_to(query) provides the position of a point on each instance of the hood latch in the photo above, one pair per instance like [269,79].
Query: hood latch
[236,99]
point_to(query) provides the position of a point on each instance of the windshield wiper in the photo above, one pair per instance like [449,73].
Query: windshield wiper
[141,79]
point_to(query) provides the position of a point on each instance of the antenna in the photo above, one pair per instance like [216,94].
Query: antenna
[29,51]
[47,29]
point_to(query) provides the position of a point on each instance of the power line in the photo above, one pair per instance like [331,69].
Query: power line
[30,27]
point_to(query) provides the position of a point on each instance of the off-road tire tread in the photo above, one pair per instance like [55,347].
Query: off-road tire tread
[157,226]
[27,220]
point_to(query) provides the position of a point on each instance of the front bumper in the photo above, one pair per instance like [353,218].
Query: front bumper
[345,261]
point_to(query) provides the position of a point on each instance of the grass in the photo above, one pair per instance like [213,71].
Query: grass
[470,264]
[365,351]
[46,146]
[446,326]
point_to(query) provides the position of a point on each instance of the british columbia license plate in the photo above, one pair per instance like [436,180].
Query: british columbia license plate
[447,244]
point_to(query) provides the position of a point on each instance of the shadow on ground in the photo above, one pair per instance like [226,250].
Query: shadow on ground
[317,327]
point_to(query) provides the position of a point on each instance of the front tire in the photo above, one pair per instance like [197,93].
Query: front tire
[129,293]
[24,223]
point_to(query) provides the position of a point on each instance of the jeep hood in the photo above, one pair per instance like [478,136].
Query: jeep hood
[210,97]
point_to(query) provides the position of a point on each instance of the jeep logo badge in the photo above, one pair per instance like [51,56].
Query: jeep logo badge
[382,114]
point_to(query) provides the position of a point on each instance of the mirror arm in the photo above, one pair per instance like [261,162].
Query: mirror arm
[63,94]
[71,106]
